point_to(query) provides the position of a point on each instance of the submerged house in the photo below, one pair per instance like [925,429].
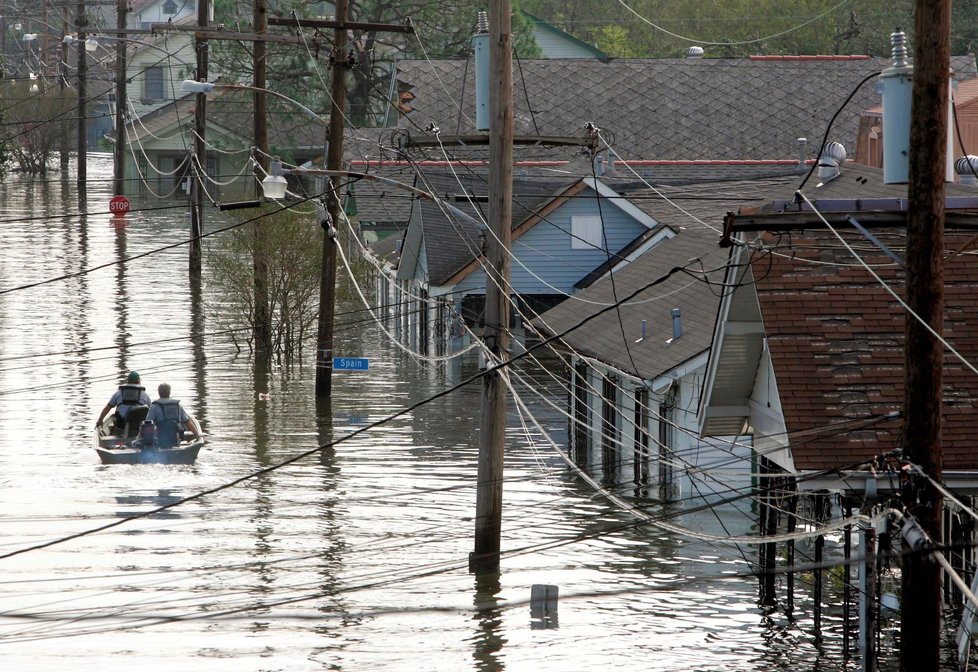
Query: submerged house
[807,359]
[562,230]
[637,336]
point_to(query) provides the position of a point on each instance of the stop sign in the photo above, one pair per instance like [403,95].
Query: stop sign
[119,205]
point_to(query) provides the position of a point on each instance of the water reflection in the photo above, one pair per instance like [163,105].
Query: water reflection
[488,641]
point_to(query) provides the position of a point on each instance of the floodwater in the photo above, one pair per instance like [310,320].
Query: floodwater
[353,558]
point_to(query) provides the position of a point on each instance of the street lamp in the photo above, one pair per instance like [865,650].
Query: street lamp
[274,183]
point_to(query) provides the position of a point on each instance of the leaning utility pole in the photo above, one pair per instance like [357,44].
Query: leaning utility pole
[492,429]
[199,167]
[924,355]
[119,151]
[334,161]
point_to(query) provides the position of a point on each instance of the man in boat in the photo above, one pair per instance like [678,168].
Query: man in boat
[169,417]
[129,395]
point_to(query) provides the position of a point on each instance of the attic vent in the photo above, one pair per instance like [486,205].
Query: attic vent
[833,156]
[694,52]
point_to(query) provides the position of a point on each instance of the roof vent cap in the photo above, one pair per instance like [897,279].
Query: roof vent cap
[967,169]
[832,158]
[694,52]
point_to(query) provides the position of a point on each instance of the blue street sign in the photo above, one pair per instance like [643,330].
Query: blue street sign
[351,363]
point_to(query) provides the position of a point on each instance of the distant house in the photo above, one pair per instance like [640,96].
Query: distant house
[157,63]
[562,230]
[556,43]
[161,143]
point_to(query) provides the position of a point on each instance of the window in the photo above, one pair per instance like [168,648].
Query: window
[170,7]
[153,83]
[586,233]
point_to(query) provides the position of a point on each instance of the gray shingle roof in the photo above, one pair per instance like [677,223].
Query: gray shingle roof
[611,336]
[665,108]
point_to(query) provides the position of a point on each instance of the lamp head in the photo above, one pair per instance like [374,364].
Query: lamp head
[274,186]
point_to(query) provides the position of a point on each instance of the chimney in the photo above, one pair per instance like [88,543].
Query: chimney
[677,324]
[967,169]
[896,83]
[830,163]
[480,45]
[802,151]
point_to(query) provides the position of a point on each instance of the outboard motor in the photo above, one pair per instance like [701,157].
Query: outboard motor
[147,434]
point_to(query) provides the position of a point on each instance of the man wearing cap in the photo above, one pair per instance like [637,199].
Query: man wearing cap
[129,395]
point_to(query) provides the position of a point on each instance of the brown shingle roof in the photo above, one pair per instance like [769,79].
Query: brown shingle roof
[836,341]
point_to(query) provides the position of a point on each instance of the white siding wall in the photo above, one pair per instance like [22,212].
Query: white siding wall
[710,470]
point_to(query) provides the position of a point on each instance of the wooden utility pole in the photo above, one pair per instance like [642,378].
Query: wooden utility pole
[489,493]
[200,148]
[921,577]
[334,161]
[82,177]
[65,133]
[119,151]
[263,333]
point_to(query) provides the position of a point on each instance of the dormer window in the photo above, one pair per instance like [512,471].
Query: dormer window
[170,7]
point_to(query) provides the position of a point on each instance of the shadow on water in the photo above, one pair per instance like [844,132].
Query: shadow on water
[149,502]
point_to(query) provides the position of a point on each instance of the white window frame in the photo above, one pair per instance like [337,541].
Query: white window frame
[586,232]
[153,77]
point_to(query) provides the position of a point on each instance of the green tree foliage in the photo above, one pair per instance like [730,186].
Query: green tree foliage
[291,245]
[36,124]
[738,28]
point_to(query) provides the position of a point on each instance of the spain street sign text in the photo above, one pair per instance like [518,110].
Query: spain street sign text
[351,364]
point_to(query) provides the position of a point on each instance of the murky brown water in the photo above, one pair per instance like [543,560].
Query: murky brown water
[354,559]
